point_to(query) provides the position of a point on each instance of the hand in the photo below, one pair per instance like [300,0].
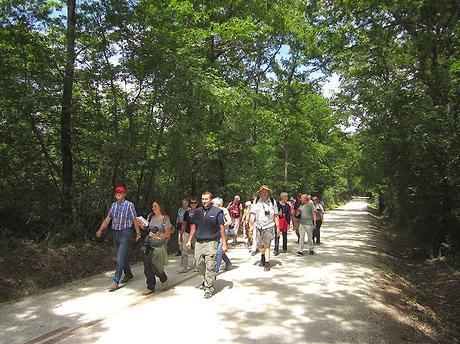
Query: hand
[99,233]
[138,236]
[278,233]
[224,247]
[180,238]
[189,245]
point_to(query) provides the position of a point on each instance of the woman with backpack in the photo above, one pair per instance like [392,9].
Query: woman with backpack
[155,254]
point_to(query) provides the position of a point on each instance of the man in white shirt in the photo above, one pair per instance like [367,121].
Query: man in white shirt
[264,219]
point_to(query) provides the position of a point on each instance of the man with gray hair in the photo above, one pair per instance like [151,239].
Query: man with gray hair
[307,223]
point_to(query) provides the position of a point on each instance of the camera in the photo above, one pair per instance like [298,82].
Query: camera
[267,212]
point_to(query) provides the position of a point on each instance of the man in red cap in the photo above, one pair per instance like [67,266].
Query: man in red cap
[122,214]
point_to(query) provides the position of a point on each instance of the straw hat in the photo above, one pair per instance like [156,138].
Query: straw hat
[264,187]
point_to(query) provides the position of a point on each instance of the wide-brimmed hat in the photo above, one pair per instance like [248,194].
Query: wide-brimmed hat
[264,187]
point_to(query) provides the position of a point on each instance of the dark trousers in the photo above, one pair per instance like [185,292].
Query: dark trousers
[277,242]
[151,271]
[317,233]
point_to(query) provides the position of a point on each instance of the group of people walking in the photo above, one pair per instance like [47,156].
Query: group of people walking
[203,233]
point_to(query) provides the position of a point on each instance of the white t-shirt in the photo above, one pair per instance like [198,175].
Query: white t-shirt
[264,212]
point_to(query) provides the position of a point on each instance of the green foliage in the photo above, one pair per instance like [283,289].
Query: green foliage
[170,98]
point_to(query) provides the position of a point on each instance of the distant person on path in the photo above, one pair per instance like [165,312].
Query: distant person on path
[264,220]
[246,213]
[122,214]
[284,220]
[218,203]
[307,223]
[236,213]
[296,218]
[179,219]
[319,209]
[155,255]
[185,234]
[208,227]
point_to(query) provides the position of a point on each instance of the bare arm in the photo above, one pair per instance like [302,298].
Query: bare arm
[192,235]
[223,238]
[103,226]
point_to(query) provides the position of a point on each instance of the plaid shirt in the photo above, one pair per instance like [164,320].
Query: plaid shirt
[122,215]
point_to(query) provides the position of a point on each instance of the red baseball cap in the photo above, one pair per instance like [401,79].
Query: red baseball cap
[120,188]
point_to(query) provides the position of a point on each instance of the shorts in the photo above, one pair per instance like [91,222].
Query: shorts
[265,236]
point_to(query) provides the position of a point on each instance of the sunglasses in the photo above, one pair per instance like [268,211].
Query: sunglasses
[192,202]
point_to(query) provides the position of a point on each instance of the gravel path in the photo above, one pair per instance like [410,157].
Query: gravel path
[332,297]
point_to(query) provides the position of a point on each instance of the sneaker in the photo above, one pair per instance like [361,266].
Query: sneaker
[299,253]
[164,285]
[147,292]
[207,294]
[276,253]
[113,286]
[253,253]
[267,267]
[126,279]
[182,270]
[228,266]
[201,286]
[284,251]
[311,252]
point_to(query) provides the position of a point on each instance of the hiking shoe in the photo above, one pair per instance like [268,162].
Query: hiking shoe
[311,252]
[207,294]
[267,267]
[126,279]
[113,286]
[299,253]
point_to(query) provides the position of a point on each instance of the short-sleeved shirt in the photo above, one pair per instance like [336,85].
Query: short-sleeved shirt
[235,209]
[122,215]
[159,225]
[286,210]
[264,212]
[188,220]
[306,213]
[180,214]
[208,222]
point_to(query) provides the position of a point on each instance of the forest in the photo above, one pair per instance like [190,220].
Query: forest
[174,97]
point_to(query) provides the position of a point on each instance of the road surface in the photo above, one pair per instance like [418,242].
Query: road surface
[331,297]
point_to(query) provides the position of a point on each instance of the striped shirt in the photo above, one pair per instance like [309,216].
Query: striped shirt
[122,215]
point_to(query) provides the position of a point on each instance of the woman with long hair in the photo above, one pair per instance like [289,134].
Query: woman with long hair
[156,256]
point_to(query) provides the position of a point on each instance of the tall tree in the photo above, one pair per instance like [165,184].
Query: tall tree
[66,114]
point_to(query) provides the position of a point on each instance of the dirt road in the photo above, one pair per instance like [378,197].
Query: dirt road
[331,297]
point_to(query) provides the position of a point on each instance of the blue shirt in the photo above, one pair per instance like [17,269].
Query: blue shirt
[208,223]
[122,215]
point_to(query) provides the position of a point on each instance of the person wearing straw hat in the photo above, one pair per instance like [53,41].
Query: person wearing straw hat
[264,219]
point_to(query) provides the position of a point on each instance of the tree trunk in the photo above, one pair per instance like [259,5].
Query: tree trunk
[66,115]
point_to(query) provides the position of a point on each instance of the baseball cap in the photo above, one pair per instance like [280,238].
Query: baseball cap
[120,188]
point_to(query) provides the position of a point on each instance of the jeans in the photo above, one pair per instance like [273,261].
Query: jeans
[317,233]
[151,271]
[121,241]
[277,242]
[221,256]
[306,229]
